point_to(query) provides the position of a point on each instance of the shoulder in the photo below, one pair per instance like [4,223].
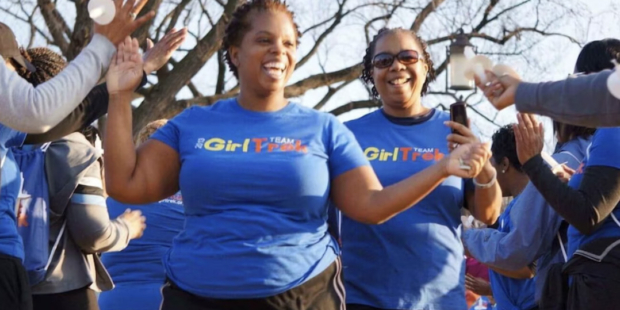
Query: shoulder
[364,120]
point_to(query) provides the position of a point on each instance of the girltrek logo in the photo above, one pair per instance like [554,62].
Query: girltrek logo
[403,154]
[254,145]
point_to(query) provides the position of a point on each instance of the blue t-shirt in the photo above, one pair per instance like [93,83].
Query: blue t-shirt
[255,188]
[137,271]
[603,151]
[10,185]
[414,260]
[509,293]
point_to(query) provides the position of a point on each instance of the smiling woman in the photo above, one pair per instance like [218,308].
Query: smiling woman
[257,173]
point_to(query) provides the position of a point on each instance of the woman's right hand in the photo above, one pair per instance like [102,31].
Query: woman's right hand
[467,160]
[123,23]
[499,90]
[135,221]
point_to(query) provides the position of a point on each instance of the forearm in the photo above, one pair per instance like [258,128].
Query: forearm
[36,110]
[381,205]
[487,201]
[584,208]
[521,274]
[563,100]
[120,154]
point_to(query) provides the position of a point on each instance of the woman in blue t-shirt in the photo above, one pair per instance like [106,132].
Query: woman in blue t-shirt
[589,203]
[257,174]
[414,260]
[137,271]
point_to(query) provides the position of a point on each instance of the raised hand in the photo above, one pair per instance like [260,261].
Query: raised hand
[125,71]
[124,22]
[467,160]
[499,90]
[478,285]
[564,173]
[157,56]
[529,136]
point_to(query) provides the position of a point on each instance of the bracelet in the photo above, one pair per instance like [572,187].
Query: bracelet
[487,185]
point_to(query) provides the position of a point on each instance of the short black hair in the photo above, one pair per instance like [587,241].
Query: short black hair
[240,24]
[370,53]
[505,146]
[596,56]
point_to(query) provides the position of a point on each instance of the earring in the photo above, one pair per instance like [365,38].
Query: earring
[503,171]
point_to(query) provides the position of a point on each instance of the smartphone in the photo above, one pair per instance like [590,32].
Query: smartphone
[458,114]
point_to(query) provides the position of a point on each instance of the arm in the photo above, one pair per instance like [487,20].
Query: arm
[563,100]
[485,203]
[374,204]
[152,172]
[91,109]
[534,227]
[584,208]
[37,109]
[521,274]
[88,221]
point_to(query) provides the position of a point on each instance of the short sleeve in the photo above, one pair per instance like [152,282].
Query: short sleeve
[605,148]
[169,134]
[343,150]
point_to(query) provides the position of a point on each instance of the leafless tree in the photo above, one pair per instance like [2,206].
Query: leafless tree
[334,31]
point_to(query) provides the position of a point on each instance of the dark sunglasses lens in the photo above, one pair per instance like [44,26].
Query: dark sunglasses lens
[383,60]
[408,57]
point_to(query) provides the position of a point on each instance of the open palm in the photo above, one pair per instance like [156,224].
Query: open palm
[125,71]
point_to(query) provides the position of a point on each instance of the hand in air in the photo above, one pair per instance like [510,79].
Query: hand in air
[124,22]
[125,71]
[157,56]
[529,136]
[467,160]
[564,173]
[499,90]
[135,221]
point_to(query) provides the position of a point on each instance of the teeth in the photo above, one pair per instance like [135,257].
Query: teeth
[275,65]
[399,81]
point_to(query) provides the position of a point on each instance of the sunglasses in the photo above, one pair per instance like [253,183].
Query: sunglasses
[385,60]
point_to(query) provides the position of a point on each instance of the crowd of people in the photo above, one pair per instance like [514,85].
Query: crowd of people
[238,196]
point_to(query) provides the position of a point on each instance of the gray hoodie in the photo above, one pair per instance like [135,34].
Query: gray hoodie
[77,201]
[582,100]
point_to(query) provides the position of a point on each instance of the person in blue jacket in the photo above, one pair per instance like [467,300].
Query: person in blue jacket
[414,260]
[512,290]
[138,271]
[257,173]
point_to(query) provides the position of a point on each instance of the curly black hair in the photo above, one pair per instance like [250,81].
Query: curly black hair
[47,62]
[505,146]
[240,24]
[370,53]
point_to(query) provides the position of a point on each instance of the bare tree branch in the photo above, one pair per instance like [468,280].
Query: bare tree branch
[331,91]
[56,25]
[361,104]
[430,8]
[337,20]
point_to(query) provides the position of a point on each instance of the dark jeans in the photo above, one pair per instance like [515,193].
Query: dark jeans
[14,286]
[323,292]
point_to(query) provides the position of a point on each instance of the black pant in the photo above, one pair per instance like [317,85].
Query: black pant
[14,286]
[323,292]
[80,299]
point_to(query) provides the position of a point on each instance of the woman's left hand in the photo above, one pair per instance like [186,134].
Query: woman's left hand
[125,71]
[529,136]
[463,135]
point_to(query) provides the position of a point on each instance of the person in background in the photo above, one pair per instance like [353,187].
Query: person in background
[138,271]
[414,260]
[29,109]
[511,289]
[257,173]
[589,203]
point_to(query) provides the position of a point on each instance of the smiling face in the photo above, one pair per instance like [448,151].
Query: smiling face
[399,85]
[265,59]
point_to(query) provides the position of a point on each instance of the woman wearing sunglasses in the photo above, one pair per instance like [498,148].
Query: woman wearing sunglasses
[414,260]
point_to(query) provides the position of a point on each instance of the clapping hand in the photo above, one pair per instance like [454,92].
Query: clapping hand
[158,55]
[529,136]
[467,160]
[125,71]
[124,22]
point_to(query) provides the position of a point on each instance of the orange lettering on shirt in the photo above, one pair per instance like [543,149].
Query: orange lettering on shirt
[271,147]
[405,151]
[300,148]
[258,143]
[428,156]
[415,155]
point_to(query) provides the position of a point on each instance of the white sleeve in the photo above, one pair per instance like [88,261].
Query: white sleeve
[38,109]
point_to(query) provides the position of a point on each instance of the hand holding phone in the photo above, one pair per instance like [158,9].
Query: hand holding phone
[458,114]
